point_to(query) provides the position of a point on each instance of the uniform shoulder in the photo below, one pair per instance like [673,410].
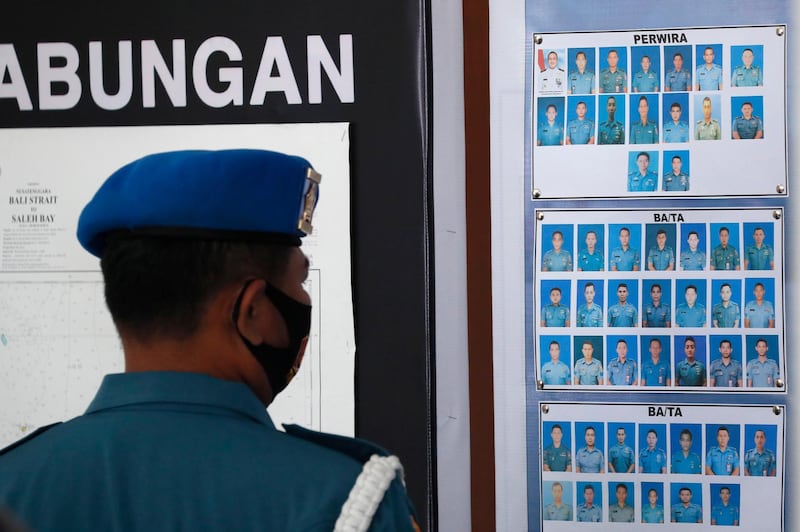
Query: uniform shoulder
[358,449]
[35,434]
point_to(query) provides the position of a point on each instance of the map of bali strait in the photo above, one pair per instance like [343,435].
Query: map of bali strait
[57,339]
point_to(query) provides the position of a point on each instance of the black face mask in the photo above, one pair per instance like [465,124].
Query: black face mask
[279,362]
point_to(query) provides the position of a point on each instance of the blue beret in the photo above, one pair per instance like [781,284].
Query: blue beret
[228,195]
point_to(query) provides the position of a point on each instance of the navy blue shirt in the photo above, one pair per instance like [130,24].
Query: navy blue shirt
[183,451]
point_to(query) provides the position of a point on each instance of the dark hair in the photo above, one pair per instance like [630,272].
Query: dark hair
[687,432]
[161,287]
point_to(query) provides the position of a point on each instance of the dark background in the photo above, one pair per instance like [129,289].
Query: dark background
[390,162]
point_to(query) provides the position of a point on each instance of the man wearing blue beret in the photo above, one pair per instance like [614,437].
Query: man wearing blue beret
[204,281]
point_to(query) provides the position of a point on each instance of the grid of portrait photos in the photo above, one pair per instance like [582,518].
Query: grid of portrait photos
[656,464]
[671,103]
[658,301]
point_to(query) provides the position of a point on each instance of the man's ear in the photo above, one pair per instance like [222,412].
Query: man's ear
[250,308]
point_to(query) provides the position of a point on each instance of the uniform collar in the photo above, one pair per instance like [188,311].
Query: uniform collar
[125,389]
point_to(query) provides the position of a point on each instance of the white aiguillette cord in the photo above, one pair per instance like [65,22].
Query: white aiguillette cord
[367,493]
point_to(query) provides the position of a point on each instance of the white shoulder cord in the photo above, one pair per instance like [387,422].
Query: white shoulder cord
[367,493]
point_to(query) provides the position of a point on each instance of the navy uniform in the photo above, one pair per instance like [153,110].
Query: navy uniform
[617,514]
[622,315]
[644,133]
[616,81]
[642,183]
[590,316]
[588,373]
[550,134]
[557,261]
[725,376]
[693,260]
[625,259]
[552,81]
[759,464]
[747,128]
[589,514]
[590,262]
[645,81]
[675,183]
[661,259]
[656,374]
[652,460]
[152,443]
[726,316]
[725,515]
[678,81]
[686,316]
[685,465]
[709,79]
[622,457]
[589,461]
[747,77]
[721,462]
[656,316]
[580,131]
[759,315]
[763,374]
[676,132]
[557,458]
[725,258]
[555,315]
[622,373]
[611,132]
[653,514]
[175,450]
[553,512]
[581,83]
[555,374]
[707,131]
[690,373]
[759,258]
[692,513]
